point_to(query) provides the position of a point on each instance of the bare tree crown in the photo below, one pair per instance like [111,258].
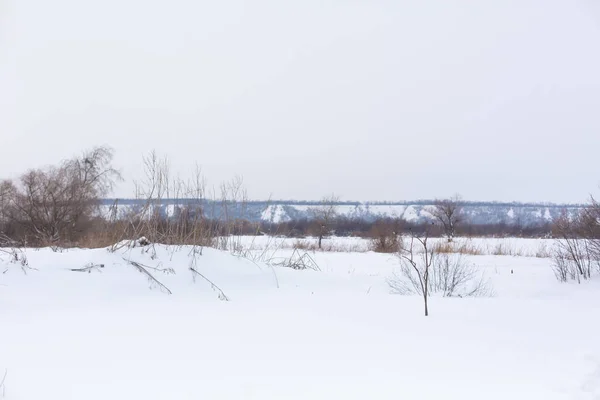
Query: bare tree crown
[52,203]
[448,213]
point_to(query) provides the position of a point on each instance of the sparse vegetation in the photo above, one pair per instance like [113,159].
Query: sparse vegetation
[60,207]
[463,247]
[425,272]
[577,249]
[385,236]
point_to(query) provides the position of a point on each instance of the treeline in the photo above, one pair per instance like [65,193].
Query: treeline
[344,226]
[63,206]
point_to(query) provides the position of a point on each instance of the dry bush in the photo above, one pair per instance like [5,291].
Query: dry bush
[543,251]
[505,249]
[182,224]
[449,275]
[385,237]
[311,244]
[466,247]
[423,272]
[305,245]
[577,246]
[196,221]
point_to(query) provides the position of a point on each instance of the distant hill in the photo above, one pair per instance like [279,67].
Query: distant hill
[478,213]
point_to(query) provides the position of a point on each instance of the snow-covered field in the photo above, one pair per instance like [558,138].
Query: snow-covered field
[285,334]
[523,247]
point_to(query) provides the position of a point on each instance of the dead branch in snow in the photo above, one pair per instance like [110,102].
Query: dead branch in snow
[89,268]
[153,281]
[222,295]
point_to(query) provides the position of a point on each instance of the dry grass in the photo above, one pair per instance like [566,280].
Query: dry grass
[507,249]
[308,245]
[543,251]
[457,248]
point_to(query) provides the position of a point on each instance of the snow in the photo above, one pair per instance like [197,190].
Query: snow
[275,214]
[288,334]
[525,247]
[511,213]
[547,215]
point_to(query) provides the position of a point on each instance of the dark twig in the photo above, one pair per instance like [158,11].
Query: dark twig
[88,268]
[222,295]
[142,268]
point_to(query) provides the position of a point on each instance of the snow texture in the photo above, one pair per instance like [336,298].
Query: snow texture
[107,332]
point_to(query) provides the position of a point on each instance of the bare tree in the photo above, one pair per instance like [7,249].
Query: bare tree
[324,215]
[448,213]
[159,218]
[591,227]
[577,247]
[424,272]
[416,268]
[7,193]
[55,203]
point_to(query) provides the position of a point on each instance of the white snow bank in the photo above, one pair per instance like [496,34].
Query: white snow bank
[335,334]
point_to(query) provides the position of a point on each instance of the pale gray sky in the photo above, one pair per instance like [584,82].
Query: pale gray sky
[370,99]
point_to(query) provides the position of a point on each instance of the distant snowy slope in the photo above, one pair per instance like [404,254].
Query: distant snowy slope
[282,211]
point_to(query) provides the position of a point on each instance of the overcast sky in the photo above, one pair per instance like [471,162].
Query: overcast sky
[370,99]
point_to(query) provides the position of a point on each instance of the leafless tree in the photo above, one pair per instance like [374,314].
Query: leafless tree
[416,267]
[234,205]
[54,204]
[448,213]
[591,227]
[449,276]
[576,253]
[324,215]
[425,272]
[159,219]
[7,193]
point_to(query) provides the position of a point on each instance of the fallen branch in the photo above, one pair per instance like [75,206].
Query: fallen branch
[89,268]
[142,268]
[222,295]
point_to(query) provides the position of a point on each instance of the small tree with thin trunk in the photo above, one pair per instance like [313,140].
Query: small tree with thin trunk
[416,267]
[424,272]
[448,213]
[324,215]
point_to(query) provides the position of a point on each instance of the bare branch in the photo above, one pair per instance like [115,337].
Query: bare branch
[153,281]
[222,295]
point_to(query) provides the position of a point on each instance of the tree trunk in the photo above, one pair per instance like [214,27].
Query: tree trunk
[320,240]
[426,308]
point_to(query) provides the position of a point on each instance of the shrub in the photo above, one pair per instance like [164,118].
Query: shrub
[385,237]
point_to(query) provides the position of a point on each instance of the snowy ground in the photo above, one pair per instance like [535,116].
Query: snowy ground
[524,247]
[286,334]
